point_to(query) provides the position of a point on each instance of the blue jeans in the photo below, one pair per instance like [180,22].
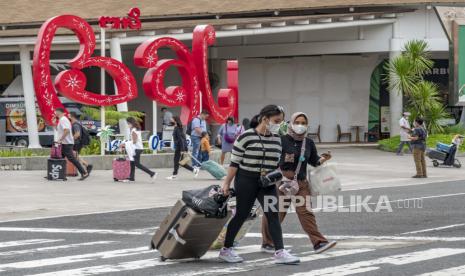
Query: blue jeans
[195,149]
[401,146]
[204,156]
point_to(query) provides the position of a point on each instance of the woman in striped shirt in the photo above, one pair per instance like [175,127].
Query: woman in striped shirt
[256,152]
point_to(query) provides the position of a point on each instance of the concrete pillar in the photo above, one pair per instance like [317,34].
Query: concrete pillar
[115,52]
[395,96]
[29,97]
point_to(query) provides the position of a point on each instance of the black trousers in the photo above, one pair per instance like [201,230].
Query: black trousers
[247,190]
[136,163]
[67,151]
[177,158]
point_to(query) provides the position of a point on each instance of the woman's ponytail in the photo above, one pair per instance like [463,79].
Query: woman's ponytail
[254,122]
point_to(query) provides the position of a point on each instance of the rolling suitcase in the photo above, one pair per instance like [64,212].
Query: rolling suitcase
[215,169]
[56,169]
[185,233]
[70,168]
[121,169]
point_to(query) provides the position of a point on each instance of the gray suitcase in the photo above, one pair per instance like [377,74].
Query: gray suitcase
[185,233]
[436,155]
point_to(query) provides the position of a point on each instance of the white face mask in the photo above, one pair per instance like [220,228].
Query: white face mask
[274,128]
[299,129]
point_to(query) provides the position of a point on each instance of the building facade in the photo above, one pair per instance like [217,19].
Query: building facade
[322,58]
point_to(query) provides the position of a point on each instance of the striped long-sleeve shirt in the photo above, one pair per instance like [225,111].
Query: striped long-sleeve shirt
[248,151]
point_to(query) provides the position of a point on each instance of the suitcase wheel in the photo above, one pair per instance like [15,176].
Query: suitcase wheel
[115,179]
[435,163]
[162,258]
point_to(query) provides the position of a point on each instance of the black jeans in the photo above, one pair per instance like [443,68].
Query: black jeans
[247,190]
[136,163]
[67,151]
[177,158]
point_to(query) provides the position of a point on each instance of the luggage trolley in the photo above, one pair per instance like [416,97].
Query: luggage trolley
[446,154]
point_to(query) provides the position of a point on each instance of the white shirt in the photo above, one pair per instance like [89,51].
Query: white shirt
[138,143]
[403,132]
[63,124]
[167,118]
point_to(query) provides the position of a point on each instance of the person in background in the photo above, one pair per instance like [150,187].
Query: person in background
[167,116]
[292,144]
[180,145]
[227,135]
[418,139]
[205,147]
[404,133]
[246,123]
[136,140]
[198,125]
[256,152]
[77,135]
[65,138]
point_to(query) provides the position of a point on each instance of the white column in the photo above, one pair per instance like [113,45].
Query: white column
[115,52]
[155,117]
[29,97]
[395,96]
[102,89]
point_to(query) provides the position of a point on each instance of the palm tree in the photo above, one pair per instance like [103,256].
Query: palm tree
[405,74]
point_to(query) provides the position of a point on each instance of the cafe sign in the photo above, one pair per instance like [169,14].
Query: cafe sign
[191,64]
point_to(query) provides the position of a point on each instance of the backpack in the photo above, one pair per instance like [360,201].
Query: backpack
[189,127]
[85,137]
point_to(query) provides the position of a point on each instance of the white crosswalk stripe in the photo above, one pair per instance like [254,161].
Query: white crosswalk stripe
[75,258]
[134,265]
[52,248]
[72,231]
[26,242]
[371,265]
[453,271]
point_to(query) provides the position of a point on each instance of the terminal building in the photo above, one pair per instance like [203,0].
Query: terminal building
[324,58]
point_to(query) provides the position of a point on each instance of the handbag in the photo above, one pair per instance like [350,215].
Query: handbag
[324,180]
[185,158]
[270,178]
[209,201]
[291,187]
[228,138]
[55,151]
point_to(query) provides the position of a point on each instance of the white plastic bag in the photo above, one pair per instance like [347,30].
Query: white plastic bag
[324,180]
[130,150]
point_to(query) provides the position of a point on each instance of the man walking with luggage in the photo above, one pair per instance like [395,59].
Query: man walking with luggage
[198,126]
[65,138]
[81,139]
[404,133]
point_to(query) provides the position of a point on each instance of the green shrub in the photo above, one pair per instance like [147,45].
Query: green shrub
[93,148]
[455,129]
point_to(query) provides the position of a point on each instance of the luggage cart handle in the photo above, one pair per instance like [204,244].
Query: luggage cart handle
[176,236]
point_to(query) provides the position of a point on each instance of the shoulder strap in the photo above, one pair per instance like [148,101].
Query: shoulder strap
[263,149]
[302,153]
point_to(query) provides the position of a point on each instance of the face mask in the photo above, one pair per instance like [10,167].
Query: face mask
[274,128]
[299,129]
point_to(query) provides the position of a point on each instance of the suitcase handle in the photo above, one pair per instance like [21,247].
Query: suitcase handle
[176,236]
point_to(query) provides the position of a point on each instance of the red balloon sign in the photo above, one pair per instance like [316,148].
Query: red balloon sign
[192,66]
[71,83]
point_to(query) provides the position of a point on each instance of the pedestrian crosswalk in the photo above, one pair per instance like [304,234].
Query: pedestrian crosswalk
[110,253]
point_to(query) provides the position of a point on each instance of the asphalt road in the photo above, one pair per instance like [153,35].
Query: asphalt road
[424,233]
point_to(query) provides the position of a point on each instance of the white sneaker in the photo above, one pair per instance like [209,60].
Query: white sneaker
[173,177]
[196,171]
[154,176]
[228,255]
[284,257]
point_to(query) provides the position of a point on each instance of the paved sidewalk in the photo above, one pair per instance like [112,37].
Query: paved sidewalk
[26,194]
